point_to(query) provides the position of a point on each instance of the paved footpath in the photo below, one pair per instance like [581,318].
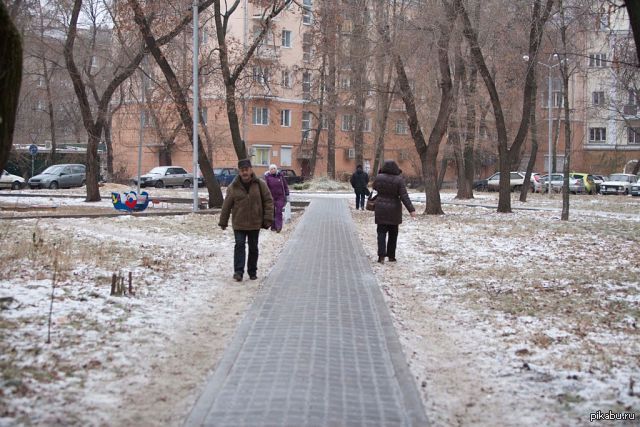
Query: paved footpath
[317,347]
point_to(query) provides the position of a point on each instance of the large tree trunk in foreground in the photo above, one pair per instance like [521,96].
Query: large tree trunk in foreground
[10,78]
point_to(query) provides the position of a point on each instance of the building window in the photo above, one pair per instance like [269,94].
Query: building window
[285,156]
[286,38]
[204,113]
[367,124]
[597,134]
[261,75]
[306,120]
[597,97]
[632,97]
[598,60]
[306,85]
[345,81]
[557,99]
[307,46]
[286,79]
[307,14]
[325,122]
[401,127]
[285,118]
[261,156]
[260,116]
[633,135]
[147,119]
[347,122]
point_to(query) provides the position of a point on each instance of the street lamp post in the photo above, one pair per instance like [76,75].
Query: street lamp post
[196,109]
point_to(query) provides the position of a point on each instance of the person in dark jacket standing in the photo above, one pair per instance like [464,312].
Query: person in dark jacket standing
[359,182]
[392,194]
[251,206]
[280,194]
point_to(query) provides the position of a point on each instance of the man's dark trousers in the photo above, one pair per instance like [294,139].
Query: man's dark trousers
[360,194]
[239,252]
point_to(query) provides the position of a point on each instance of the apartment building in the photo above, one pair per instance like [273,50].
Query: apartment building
[277,102]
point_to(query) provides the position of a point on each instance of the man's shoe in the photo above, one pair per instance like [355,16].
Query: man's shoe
[392,259]
[253,277]
[381,259]
[237,277]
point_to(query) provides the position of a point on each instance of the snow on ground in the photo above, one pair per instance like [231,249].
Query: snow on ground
[506,319]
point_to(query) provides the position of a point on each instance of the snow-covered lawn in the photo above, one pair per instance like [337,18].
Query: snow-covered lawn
[506,319]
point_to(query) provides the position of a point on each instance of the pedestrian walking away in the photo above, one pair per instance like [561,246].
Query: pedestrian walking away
[279,192]
[392,194]
[250,205]
[360,182]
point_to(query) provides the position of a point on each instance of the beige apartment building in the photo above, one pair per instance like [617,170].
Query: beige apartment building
[277,104]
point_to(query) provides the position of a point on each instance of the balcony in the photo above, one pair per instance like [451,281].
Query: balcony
[267,52]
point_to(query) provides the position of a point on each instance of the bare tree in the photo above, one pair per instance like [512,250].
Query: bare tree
[231,73]
[507,154]
[10,77]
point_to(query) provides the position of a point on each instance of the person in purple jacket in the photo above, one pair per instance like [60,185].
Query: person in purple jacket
[280,192]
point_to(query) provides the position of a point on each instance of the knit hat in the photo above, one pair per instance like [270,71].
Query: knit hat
[244,163]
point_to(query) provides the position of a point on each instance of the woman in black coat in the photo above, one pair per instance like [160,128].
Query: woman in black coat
[392,194]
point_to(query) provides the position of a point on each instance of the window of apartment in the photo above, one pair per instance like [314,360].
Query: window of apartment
[307,14]
[632,98]
[286,38]
[261,155]
[204,36]
[345,81]
[286,79]
[40,81]
[285,156]
[204,113]
[347,122]
[597,97]
[261,75]
[260,116]
[367,124]
[597,134]
[285,118]
[557,99]
[325,122]
[306,120]
[633,135]
[306,85]
[597,60]
[307,46]
[401,127]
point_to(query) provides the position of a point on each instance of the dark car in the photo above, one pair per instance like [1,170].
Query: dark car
[291,177]
[481,185]
[225,176]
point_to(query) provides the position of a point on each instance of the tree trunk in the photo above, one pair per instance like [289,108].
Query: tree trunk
[358,60]
[10,78]
[533,131]
[564,71]
[332,94]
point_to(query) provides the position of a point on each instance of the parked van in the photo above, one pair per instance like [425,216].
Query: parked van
[60,176]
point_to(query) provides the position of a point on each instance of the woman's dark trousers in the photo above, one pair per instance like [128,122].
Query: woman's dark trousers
[239,253]
[360,199]
[387,247]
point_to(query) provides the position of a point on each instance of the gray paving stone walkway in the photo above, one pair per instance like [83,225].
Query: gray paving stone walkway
[317,347]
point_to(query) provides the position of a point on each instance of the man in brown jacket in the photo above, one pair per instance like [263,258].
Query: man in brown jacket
[249,201]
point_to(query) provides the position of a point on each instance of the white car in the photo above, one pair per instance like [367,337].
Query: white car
[13,182]
[516,181]
[618,183]
[165,176]
[635,189]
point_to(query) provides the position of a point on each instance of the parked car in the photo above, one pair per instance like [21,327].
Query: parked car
[581,183]
[13,182]
[516,181]
[598,180]
[481,185]
[165,176]
[635,189]
[60,176]
[557,181]
[225,176]
[618,183]
[291,177]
